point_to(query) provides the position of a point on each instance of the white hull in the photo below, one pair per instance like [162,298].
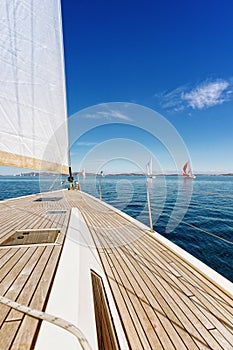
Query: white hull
[189,176]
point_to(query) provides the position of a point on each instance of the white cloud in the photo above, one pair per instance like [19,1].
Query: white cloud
[205,95]
[114,114]
[172,99]
[108,115]
[86,143]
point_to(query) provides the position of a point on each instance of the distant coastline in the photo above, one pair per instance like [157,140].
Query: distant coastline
[36,174]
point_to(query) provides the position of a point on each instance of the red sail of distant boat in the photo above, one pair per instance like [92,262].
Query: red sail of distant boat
[189,173]
[185,168]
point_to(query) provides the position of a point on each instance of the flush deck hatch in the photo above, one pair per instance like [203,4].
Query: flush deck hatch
[48,199]
[23,237]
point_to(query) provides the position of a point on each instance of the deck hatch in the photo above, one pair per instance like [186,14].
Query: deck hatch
[56,211]
[106,333]
[48,199]
[23,237]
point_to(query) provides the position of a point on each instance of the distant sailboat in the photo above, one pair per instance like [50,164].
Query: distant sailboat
[187,172]
[149,170]
[83,173]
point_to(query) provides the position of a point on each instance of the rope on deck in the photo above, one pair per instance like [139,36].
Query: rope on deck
[57,321]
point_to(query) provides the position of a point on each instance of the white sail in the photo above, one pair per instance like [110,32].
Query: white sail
[33,128]
[149,167]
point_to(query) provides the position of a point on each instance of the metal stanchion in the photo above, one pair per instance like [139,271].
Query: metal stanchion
[149,206]
[100,188]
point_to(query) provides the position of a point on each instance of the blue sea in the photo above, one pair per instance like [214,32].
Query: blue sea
[195,214]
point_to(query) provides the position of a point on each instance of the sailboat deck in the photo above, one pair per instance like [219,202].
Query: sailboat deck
[163,301]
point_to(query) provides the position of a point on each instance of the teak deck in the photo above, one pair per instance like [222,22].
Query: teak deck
[163,301]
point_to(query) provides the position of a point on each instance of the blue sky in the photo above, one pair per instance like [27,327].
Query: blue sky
[175,57]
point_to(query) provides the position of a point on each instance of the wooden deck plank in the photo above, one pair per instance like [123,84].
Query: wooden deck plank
[36,297]
[196,323]
[178,300]
[179,342]
[13,267]
[16,288]
[7,334]
[185,288]
[147,324]
[196,276]
[5,258]
[158,265]
[25,276]
[25,334]
[20,284]
[192,313]
[135,277]
[31,214]
[2,253]
[19,223]
[31,286]
[171,308]
[133,329]
[220,310]
[164,302]
[131,314]
[134,314]
[46,279]
[225,343]
[163,328]
[218,323]
[4,310]
[115,263]
[208,295]
[183,293]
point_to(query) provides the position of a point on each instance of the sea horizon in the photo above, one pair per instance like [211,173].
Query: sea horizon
[75,173]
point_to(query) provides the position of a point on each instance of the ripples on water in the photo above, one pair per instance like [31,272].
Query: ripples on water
[210,208]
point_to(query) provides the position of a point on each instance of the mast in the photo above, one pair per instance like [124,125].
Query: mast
[70,177]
